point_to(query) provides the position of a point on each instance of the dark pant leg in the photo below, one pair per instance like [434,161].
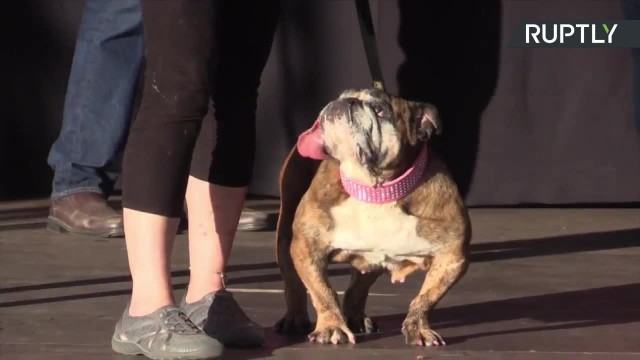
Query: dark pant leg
[178,36]
[245,33]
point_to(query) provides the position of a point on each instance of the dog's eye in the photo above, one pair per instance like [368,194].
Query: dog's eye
[379,110]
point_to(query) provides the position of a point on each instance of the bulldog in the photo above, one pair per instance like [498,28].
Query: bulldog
[362,187]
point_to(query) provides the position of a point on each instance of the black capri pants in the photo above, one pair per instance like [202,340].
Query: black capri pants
[196,51]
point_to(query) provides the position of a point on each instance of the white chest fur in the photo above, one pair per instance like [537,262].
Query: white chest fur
[381,233]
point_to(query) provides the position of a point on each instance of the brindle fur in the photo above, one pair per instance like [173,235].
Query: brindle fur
[309,190]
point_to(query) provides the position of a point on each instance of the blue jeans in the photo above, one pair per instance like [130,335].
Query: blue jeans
[109,50]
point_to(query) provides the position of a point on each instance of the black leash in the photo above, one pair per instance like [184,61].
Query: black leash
[369,41]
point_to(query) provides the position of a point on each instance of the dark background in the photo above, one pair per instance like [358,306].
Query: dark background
[521,126]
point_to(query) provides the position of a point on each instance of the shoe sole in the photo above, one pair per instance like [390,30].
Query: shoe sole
[133,349]
[55,225]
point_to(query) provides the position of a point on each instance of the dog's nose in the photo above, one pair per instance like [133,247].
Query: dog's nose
[367,157]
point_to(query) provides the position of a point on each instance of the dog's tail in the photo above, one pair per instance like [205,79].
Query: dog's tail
[296,175]
[295,178]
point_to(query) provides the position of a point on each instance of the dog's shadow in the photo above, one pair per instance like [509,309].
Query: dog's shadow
[567,310]
[273,342]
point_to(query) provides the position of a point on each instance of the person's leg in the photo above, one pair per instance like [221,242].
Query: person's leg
[98,104]
[218,183]
[178,37]
[178,43]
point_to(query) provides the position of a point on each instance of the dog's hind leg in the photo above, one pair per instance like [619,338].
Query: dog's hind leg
[355,301]
[312,264]
[295,177]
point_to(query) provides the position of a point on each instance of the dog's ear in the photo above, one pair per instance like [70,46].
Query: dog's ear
[424,121]
[420,120]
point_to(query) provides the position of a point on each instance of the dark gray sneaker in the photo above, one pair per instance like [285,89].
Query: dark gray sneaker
[220,316]
[166,334]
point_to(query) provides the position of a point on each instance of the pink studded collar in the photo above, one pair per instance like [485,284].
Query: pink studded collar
[389,191]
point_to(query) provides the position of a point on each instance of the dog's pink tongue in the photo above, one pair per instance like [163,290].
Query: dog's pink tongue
[310,143]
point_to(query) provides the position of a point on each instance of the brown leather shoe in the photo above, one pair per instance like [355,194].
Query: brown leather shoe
[85,213]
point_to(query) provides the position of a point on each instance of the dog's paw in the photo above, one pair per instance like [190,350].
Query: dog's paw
[294,324]
[420,335]
[332,335]
[362,324]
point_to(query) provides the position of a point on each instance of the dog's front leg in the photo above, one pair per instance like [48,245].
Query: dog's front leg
[445,271]
[331,326]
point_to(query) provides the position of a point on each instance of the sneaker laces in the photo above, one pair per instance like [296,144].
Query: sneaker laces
[177,321]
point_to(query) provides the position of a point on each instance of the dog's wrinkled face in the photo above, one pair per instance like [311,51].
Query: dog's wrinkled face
[371,133]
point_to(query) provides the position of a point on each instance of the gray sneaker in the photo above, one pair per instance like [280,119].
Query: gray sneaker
[166,334]
[220,316]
